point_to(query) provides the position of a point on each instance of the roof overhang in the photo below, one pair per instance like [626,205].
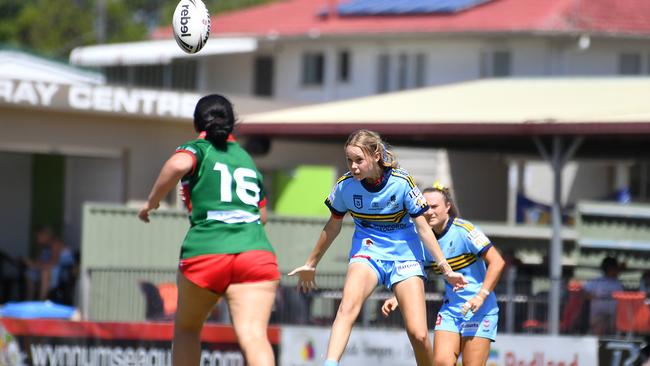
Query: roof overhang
[155,52]
[21,65]
[494,113]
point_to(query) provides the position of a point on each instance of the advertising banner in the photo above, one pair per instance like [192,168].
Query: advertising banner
[621,352]
[61,342]
[306,346]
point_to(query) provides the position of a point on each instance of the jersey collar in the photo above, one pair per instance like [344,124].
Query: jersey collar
[449,223]
[230,138]
[380,185]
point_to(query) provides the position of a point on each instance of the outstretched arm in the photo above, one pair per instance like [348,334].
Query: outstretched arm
[307,272]
[431,244]
[174,169]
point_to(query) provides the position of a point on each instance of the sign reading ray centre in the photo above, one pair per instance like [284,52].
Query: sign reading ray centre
[98,98]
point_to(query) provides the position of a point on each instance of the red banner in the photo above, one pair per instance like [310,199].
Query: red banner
[62,342]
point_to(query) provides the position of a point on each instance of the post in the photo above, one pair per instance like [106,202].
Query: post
[511,274]
[513,189]
[555,255]
[557,159]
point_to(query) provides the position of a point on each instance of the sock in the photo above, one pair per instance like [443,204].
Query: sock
[331,363]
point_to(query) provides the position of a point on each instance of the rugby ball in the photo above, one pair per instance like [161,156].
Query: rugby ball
[191,25]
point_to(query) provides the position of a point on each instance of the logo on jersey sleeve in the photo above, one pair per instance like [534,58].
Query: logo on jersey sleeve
[367,242]
[478,238]
[439,319]
[358,200]
[417,196]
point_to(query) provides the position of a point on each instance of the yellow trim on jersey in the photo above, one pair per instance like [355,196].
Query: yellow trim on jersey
[393,217]
[464,224]
[457,262]
[343,177]
[406,177]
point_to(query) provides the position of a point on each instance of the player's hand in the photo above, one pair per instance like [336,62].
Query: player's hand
[456,280]
[389,306]
[473,304]
[306,277]
[143,215]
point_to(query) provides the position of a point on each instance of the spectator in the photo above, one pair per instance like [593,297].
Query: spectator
[602,314]
[43,272]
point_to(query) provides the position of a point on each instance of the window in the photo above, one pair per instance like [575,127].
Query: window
[383,73]
[640,181]
[313,69]
[403,72]
[495,64]
[501,63]
[629,64]
[116,75]
[263,79]
[150,76]
[183,74]
[180,74]
[344,66]
[420,70]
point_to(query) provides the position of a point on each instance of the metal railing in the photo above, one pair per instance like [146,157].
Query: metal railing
[117,294]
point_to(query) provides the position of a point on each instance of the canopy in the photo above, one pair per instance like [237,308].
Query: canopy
[154,52]
[613,112]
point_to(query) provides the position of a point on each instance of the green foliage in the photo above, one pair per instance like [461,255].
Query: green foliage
[47,26]
[55,27]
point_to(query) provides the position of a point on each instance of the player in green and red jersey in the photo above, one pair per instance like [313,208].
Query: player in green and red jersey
[225,252]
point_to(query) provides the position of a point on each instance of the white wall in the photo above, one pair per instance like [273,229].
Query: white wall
[449,59]
[15,195]
[228,74]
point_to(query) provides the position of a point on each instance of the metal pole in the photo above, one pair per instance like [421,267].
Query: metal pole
[513,189]
[555,255]
[85,294]
[557,159]
[511,274]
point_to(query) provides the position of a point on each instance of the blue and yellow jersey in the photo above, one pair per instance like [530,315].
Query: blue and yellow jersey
[381,213]
[464,244]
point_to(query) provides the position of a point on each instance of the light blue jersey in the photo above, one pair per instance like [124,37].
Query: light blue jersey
[381,213]
[463,244]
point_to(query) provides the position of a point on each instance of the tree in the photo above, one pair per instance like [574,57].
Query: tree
[55,27]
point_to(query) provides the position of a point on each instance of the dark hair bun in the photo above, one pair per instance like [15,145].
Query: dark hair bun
[214,115]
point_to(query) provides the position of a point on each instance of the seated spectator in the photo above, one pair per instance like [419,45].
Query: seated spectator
[43,272]
[602,313]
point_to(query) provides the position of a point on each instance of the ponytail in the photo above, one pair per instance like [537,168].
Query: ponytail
[214,115]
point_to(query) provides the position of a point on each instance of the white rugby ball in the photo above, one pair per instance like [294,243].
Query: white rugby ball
[191,25]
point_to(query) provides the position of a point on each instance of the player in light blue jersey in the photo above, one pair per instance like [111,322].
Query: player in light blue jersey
[467,321]
[387,209]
